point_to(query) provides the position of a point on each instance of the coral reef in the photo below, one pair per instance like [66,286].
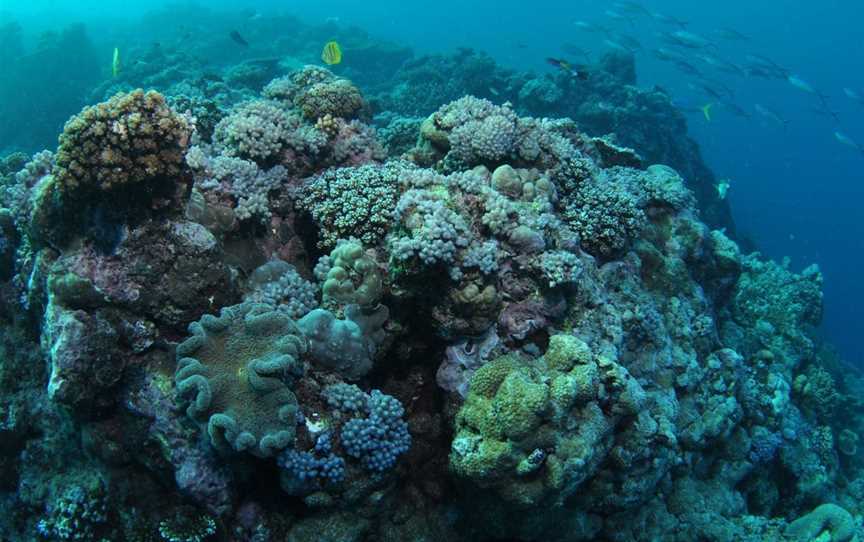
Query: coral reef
[494,326]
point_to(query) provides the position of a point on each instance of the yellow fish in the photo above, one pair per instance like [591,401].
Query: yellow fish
[332,53]
[115,64]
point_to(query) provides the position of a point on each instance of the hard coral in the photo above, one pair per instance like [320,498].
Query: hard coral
[338,98]
[130,139]
[355,201]
[235,372]
[259,130]
[515,433]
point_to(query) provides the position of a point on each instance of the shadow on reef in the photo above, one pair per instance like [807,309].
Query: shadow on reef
[269,323]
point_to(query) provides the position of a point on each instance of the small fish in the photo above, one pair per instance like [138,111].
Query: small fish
[332,53]
[668,19]
[760,66]
[721,65]
[846,140]
[722,188]
[620,17]
[737,110]
[687,68]
[612,44]
[711,91]
[115,63]
[563,65]
[706,111]
[629,42]
[690,40]
[731,34]
[853,95]
[238,39]
[591,27]
[493,91]
[771,115]
[801,84]
[826,111]
[634,8]
[668,55]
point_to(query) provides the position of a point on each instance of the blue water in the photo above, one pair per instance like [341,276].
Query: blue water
[795,192]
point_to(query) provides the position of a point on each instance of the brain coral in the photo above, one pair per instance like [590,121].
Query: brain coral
[235,371]
[131,138]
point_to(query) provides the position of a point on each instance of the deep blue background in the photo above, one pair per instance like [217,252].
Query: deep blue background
[796,192]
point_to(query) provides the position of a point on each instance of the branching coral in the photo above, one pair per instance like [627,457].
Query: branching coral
[278,285]
[258,130]
[235,372]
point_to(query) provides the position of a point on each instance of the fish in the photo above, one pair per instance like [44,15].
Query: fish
[687,68]
[668,55]
[615,16]
[689,39]
[760,66]
[591,27]
[801,84]
[238,39]
[737,110]
[825,111]
[771,115]
[576,71]
[715,87]
[731,34]
[853,95]
[711,91]
[721,65]
[628,6]
[722,188]
[668,19]
[115,63]
[332,53]
[706,111]
[846,140]
[629,42]
[617,46]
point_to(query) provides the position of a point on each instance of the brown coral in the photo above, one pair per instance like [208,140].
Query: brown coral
[130,139]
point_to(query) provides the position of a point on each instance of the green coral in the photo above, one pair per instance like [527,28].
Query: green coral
[233,371]
[534,430]
[353,276]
